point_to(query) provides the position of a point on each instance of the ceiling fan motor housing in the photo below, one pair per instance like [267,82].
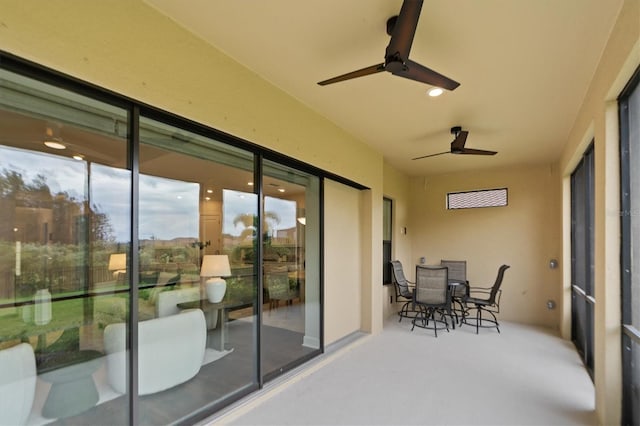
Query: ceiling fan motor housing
[391,24]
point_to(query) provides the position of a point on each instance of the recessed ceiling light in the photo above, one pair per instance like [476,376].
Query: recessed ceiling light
[280,189]
[207,198]
[78,157]
[436,91]
[209,191]
[250,183]
[55,144]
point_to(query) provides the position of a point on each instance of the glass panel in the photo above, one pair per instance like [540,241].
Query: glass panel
[579,229]
[291,253]
[386,219]
[386,240]
[197,292]
[64,221]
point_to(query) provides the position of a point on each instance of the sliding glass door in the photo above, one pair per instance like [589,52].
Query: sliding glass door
[193,190]
[291,265]
[65,234]
[152,270]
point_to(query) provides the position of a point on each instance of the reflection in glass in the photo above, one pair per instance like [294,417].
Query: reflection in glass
[67,268]
[194,202]
[64,211]
[291,319]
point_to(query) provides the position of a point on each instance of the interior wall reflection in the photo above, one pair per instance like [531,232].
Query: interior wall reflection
[64,216]
[291,319]
[197,292]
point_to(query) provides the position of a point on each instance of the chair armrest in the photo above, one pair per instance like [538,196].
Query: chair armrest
[478,290]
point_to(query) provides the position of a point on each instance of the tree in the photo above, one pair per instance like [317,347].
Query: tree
[250,223]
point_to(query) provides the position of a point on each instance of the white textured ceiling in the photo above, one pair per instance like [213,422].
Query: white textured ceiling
[524,68]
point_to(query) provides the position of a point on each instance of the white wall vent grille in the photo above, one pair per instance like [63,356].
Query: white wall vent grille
[477,199]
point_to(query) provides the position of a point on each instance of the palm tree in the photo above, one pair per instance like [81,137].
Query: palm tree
[250,223]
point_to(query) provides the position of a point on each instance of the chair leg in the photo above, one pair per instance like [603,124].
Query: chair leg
[435,325]
[413,322]
[404,311]
[495,320]
[443,318]
[480,319]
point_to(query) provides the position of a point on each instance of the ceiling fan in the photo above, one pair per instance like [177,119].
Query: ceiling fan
[457,146]
[401,28]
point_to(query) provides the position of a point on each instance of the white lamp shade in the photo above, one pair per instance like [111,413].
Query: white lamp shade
[118,262]
[215,265]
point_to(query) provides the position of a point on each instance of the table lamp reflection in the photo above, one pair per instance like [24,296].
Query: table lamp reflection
[118,265]
[215,266]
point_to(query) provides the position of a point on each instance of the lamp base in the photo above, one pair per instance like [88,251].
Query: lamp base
[216,288]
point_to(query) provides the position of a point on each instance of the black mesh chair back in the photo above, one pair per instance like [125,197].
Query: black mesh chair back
[487,305]
[403,292]
[496,285]
[401,283]
[432,285]
[432,296]
[458,273]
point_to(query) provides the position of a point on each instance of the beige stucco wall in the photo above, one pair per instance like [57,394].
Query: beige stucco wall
[129,48]
[343,234]
[598,120]
[525,235]
[396,187]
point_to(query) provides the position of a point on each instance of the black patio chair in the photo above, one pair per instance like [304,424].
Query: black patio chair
[490,303]
[404,291]
[459,284]
[432,296]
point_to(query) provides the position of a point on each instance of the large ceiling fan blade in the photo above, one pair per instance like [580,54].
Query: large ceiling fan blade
[471,151]
[404,29]
[373,69]
[458,143]
[431,155]
[417,72]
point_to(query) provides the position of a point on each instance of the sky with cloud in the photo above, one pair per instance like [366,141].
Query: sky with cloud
[168,208]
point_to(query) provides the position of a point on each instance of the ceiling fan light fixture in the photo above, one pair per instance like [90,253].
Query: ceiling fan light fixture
[436,91]
[53,144]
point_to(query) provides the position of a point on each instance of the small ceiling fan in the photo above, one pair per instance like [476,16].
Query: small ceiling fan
[401,28]
[457,146]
